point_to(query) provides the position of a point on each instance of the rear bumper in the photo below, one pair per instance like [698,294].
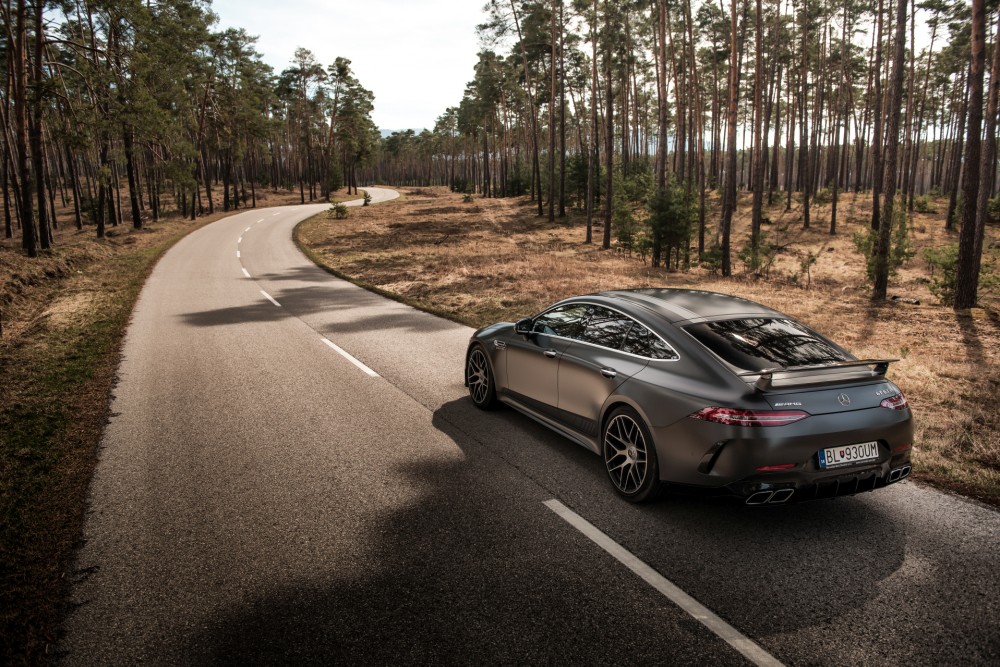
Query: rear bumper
[728,458]
[761,489]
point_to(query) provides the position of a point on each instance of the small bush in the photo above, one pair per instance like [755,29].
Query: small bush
[711,259]
[993,209]
[467,198]
[758,263]
[942,262]
[367,198]
[900,249]
[339,211]
[823,196]
[923,204]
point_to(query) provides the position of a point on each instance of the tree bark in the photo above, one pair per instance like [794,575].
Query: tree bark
[967,268]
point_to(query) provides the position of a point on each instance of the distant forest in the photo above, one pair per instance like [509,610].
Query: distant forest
[636,111]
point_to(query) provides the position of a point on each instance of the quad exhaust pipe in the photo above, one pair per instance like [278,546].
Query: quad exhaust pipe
[899,473]
[770,497]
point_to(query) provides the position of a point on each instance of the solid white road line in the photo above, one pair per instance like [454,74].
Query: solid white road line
[339,350]
[705,616]
[270,298]
[246,273]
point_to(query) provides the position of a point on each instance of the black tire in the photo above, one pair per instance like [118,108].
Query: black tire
[479,378]
[630,456]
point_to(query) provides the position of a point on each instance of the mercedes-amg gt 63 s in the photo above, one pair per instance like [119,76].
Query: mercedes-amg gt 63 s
[698,389]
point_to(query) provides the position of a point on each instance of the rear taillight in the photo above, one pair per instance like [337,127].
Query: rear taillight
[897,402]
[750,417]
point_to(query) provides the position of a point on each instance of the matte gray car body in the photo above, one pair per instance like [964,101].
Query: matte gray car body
[670,384]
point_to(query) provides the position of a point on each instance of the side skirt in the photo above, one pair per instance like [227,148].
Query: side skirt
[579,438]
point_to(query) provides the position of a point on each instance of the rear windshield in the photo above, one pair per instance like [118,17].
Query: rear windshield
[758,344]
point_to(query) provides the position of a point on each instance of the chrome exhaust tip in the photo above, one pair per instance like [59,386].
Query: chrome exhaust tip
[904,472]
[760,498]
[895,475]
[781,495]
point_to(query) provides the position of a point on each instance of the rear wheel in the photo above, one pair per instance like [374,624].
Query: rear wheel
[479,375]
[630,457]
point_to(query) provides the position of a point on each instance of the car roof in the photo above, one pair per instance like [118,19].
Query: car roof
[689,306]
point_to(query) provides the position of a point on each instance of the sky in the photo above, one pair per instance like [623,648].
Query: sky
[415,55]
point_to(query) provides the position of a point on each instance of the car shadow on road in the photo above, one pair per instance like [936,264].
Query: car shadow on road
[805,556]
[479,571]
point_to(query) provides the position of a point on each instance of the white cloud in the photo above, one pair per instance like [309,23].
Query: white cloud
[415,56]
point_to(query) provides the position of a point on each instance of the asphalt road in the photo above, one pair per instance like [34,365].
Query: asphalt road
[260,498]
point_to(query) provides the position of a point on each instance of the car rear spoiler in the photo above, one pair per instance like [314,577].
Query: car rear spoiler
[878,368]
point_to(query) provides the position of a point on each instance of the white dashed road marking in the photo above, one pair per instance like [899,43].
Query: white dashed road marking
[339,350]
[270,298]
[701,613]
[246,273]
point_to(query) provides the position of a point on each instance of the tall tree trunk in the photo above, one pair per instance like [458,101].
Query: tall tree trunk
[758,153]
[609,146]
[967,268]
[552,117]
[882,243]
[729,200]
[876,149]
[35,127]
[29,240]
[804,179]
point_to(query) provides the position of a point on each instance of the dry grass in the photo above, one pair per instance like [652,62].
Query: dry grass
[493,260]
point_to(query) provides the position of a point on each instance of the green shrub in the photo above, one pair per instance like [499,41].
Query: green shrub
[900,248]
[711,259]
[467,198]
[823,196]
[339,211]
[993,208]
[922,204]
[758,263]
[367,198]
[942,262]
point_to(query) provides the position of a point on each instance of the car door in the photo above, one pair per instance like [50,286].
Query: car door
[595,366]
[533,361]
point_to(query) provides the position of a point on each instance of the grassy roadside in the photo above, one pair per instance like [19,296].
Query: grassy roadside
[63,317]
[493,260]
[59,370]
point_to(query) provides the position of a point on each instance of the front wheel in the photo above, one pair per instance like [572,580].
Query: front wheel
[630,456]
[479,376]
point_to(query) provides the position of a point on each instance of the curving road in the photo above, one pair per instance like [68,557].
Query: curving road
[293,473]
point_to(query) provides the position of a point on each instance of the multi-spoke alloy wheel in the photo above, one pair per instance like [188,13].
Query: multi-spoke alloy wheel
[629,456]
[481,387]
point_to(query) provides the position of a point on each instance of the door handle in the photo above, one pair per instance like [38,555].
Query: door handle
[551,354]
[609,372]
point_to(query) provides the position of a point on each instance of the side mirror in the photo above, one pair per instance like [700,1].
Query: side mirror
[523,326]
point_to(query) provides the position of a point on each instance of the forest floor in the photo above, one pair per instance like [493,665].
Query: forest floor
[63,316]
[494,260]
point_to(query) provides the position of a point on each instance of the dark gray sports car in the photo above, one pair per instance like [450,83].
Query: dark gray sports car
[699,389]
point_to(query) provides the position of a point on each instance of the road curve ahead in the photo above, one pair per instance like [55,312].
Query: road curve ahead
[293,474]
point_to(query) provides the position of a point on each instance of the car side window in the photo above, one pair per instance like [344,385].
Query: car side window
[644,343]
[606,328]
[566,321]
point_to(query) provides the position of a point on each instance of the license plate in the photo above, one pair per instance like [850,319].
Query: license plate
[832,457]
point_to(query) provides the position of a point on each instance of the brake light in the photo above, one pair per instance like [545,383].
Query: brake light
[750,417]
[775,468]
[897,402]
